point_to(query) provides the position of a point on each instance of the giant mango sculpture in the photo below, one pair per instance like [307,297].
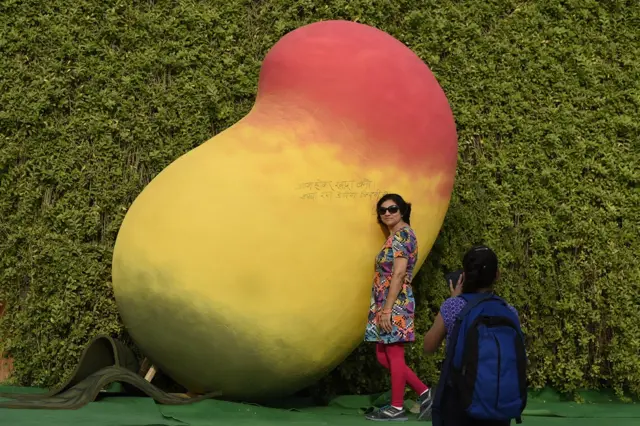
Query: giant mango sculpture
[246,265]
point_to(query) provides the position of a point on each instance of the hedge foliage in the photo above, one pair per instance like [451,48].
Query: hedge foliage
[97,97]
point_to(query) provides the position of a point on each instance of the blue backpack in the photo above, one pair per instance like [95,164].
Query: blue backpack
[485,365]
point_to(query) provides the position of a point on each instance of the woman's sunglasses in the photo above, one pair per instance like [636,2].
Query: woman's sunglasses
[391,209]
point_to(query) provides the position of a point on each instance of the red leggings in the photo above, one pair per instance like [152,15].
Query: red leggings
[391,356]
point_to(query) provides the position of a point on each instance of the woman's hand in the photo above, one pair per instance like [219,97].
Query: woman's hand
[384,321]
[457,290]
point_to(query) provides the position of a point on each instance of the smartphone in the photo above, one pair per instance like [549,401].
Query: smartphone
[453,277]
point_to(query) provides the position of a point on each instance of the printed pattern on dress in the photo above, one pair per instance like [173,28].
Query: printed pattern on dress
[401,244]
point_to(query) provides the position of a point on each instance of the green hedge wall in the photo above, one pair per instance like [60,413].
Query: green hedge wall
[96,97]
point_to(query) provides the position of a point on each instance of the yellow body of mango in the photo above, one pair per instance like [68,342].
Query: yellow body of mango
[246,265]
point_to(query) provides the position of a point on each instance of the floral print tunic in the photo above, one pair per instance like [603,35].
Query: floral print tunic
[401,244]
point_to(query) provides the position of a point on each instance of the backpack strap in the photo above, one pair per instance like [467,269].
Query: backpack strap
[472,302]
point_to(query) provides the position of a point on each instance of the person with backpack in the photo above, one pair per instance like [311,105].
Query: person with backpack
[483,379]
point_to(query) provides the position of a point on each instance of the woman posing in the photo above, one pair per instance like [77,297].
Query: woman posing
[391,312]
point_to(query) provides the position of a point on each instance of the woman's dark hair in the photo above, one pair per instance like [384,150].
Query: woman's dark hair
[405,208]
[480,269]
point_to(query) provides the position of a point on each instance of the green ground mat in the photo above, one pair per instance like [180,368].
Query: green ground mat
[544,408]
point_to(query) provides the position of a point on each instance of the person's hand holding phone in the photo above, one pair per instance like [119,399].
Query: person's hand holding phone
[457,289]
